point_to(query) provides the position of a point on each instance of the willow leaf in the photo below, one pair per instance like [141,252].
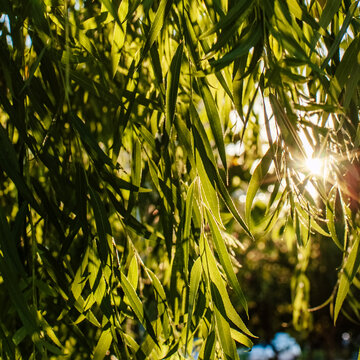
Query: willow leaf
[287,127]
[89,141]
[208,188]
[157,285]
[225,260]
[133,273]
[187,225]
[214,275]
[184,135]
[256,181]
[118,42]
[214,120]
[136,163]
[103,344]
[330,217]
[350,268]
[243,47]
[156,26]
[195,278]
[230,204]
[232,16]
[9,164]
[222,325]
[109,5]
[137,306]
[344,27]
[173,84]
[347,66]
[329,12]
[18,297]
[241,338]
[207,350]
[102,225]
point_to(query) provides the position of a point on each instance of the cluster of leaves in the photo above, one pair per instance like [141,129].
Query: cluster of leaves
[115,209]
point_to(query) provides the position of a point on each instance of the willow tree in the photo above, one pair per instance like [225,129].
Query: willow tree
[116,214]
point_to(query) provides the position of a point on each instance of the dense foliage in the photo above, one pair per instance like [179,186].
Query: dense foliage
[123,212]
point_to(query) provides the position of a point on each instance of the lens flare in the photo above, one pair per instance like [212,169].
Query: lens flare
[315,166]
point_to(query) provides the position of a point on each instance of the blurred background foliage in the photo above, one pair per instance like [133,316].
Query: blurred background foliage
[177,176]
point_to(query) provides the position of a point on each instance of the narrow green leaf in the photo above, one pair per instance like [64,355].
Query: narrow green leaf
[214,275]
[49,331]
[347,65]
[137,306]
[207,350]
[103,344]
[158,69]
[34,67]
[172,351]
[187,225]
[109,5]
[203,151]
[133,273]
[208,187]
[232,16]
[350,268]
[184,136]
[9,271]
[188,210]
[48,205]
[173,84]
[156,26]
[243,47]
[78,284]
[300,12]
[132,223]
[157,285]
[88,315]
[287,128]
[230,204]
[147,136]
[81,195]
[131,342]
[101,92]
[201,138]
[225,260]
[134,300]
[9,164]
[7,345]
[117,183]
[222,325]
[195,278]
[137,163]
[331,7]
[17,297]
[8,238]
[241,338]
[350,75]
[89,141]
[43,344]
[102,225]
[136,167]
[330,217]
[344,27]
[214,119]
[19,335]
[256,181]
[119,34]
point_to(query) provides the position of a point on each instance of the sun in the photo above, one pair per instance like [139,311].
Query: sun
[315,166]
